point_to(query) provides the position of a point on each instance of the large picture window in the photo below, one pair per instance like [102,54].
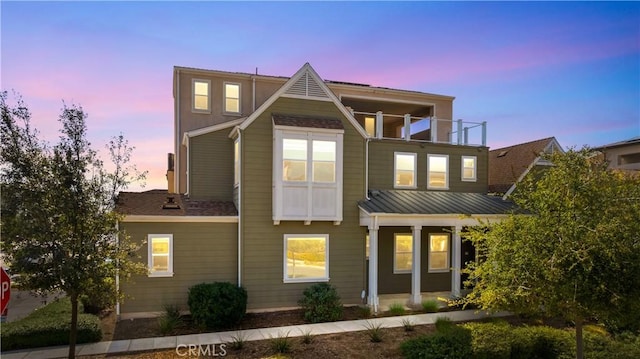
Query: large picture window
[405,170]
[402,249]
[306,258]
[437,171]
[438,252]
[160,255]
[201,95]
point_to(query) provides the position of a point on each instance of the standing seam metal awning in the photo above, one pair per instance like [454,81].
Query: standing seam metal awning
[435,203]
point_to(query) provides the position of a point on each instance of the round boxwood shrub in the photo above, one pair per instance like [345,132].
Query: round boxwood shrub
[217,305]
[452,343]
[321,303]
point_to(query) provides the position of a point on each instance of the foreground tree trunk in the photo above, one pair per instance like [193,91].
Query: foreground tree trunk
[73,334]
[579,342]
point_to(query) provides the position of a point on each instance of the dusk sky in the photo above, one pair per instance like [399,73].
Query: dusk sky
[531,70]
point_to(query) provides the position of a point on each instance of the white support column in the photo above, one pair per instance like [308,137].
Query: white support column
[459,132]
[416,297]
[379,124]
[484,133]
[373,266]
[434,129]
[456,258]
[407,127]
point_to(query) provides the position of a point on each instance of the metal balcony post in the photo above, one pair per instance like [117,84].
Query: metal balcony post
[484,133]
[459,131]
[434,129]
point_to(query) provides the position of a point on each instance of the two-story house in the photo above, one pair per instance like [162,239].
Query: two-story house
[278,183]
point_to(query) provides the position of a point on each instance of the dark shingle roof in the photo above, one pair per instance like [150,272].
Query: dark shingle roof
[507,164]
[161,203]
[428,202]
[307,121]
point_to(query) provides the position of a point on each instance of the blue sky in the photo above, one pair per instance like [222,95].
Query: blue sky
[530,69]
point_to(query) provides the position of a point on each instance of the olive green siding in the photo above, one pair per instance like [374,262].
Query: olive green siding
[381,164]
[211,166]
[263,242]
[203,252]
[389,283]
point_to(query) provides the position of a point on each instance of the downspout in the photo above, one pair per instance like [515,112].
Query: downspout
[188,162]
[366,168]
[253,93]
[176,175]
[240,155]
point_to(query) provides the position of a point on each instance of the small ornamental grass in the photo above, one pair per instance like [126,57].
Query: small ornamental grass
[170,319]
[374,331]
[408,325]
[238,341]
[396,309]
[281,344]
[430,306]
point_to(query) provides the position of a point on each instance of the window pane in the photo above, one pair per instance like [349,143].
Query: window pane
[439,242]
[468,173]
[437,164]
[160,246]
[160,263]
[201,88]
[403,249]
[201,102]
[404,178]
[403,261]
[370,125]
[294,149]
[306,257]
[405,162]
[469,163]
[294,170]
[438,260]
[437,180]
[324,171]
[324,150]
[232,91]
[232,105]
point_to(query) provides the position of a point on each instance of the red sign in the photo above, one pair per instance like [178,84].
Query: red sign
[5,289]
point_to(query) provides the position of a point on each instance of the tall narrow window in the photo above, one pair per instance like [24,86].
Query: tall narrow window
[201,95]
[438,252]
[324,161]
[438,171]
[306,258]
[469,168]
[232,98]
[236,162]
[405,170]
[402,248]
[294,160]
[160,255]
[370,125]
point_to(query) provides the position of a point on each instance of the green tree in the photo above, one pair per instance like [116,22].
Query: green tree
[58,219]
[574,253]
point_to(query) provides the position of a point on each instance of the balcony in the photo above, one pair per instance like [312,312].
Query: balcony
[423,129]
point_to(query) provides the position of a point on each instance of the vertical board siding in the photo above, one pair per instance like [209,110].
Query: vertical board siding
[211,166]
[263,241]
[203,252]
[381,164]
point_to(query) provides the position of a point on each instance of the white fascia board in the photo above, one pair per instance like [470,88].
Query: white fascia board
[214,128]
[179,219]
[306,129]
[306,68]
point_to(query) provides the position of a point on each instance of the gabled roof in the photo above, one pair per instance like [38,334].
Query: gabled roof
[304,84]
[508,165]
[629,142]
[161,203]
[434,203]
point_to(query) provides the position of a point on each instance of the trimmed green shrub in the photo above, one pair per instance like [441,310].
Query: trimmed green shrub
[454,343]
[100,296]
[321,303]
[542,342]
[443,324]
[217,305]
[490,340]
[49,326]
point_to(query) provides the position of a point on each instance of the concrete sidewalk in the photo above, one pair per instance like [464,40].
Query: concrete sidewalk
[144,344]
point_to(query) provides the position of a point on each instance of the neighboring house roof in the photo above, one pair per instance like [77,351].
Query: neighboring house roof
[430,202]
[161,203]
[629,142]
[307,121]
[508,165]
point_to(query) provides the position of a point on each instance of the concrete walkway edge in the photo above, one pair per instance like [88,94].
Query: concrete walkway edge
[146,344]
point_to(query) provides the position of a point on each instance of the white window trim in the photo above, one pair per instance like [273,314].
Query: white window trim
[448,265]
[395,252]
[395,169]
[475,169]
[193,96]
[224,98]
[285,279]
[169,272]
[281,133]
[446,173]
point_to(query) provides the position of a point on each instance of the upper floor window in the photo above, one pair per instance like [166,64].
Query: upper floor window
[437,171]
[370,125]
[307,175]
[402,249]
[232,97]
[469,168]
[160,255]
[201,95]
[438,252]
[306,257]
[405,170]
